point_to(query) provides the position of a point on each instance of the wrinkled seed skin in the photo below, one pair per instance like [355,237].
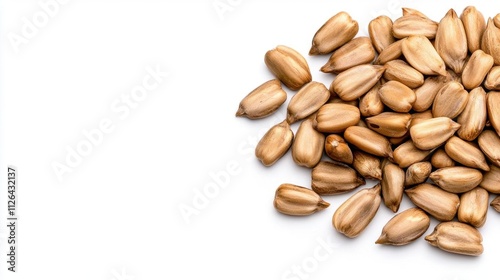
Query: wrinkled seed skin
[489,143]
[307,101]
[457,238]
[330,178]
[465,153]
[288,66]
[474,116]
[457,179]
[473,207]
[367,165]
[404,228]
[274,144]
[439,203]
[294,200]
[418,173]
[262,101]
[337,31]
[393,181]
[491,180]
[307,148]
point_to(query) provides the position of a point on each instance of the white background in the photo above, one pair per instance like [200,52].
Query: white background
[116,214]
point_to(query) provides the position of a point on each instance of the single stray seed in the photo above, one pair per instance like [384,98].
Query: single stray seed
[298,201]
[288,66]
[262,101]
[274,144]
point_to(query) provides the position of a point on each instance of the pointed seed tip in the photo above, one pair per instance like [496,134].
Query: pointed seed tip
[382,239]
[240,112]
[314,50]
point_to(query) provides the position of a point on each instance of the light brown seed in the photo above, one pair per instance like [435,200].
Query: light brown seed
[427,92]
[393,184]
[390,124]
[297,201]
[288,66]
[356,81]
[330,178]
[391,52]
[417,173]
[404,228]
[465,153]
[337,149]
[489,143]
[354,215]
[490,42]
[368,141]
[429,134]
[496,20]
[380,30]
[451,41]
[370,104]
[274,144]
[336,117]
[338,30]
[491,180]
[450,101]
[440,159]
[457,238]
[476,69]
[474,26]
[440,204]
[410,11]
[398,70]
[338,100]
[367,165]
[457,179]
[473,207]
[307,101]
[421,55]
[356,52]
[473,117]
[495,203]
[307,147]
[492,81]
[411,25]
[397,96]
[407,154]
[262,101]
[493,105]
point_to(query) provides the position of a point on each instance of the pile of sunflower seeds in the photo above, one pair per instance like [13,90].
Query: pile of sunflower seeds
[416,106]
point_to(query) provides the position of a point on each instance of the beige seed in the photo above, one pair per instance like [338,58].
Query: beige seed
[440,204]
[440,159]
[457,179]
[490,42]
[390,124]
[411,25]
[476,69]
[297,201]
[398,70]
[427,92]
[380,30]
[418,173]
[307,101]
[370,104]
[421,55]
[465,153]
[330,178]
[473,117]
[410,11]
[491,180]
[356,52]
[356,81]
[354,215]
[368,141]
[489,143]
[493,105]
[404,228]
[397,96]
[262,101]
[451,41]
[429,134]
[307,147]
[288,66]
[337,31]
[391,52]
[496,20]
[336,117]
[274,144]
[393,181]
[367,165]
[407,154]
[474,26]
[492,81]
[457,238]
[495,203]
[450,101]
[337,149]
[473,207]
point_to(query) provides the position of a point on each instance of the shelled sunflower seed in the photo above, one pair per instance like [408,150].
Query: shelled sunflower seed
[416,106]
